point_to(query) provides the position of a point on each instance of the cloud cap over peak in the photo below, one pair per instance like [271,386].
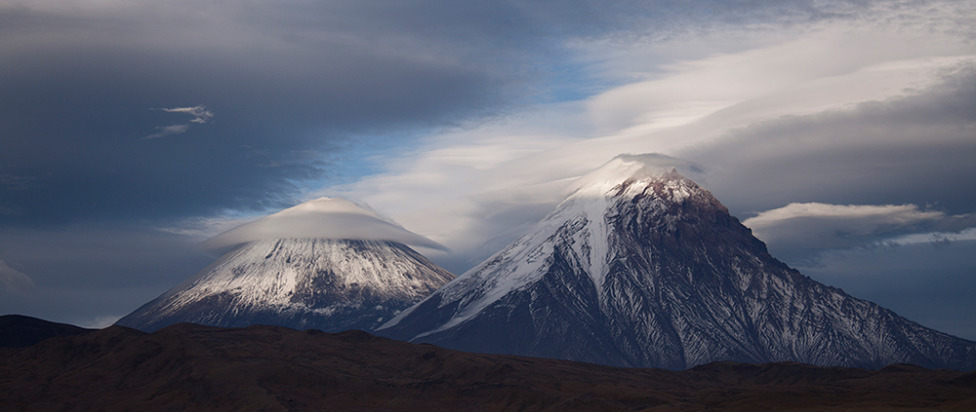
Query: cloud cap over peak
[636,166]
[326,218]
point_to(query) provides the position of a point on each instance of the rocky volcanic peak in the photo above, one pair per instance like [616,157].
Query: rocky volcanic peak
[642,267]
[325,284]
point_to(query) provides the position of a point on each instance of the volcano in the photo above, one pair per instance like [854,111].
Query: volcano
[642,267]
[313,282]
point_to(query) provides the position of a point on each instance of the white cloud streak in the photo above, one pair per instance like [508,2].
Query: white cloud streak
[199,113]
[885,214]
[820,225]
[968,234]
[14,281]
[804,233]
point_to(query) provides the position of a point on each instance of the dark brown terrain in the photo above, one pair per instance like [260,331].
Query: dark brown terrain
[22,331]
[189,367]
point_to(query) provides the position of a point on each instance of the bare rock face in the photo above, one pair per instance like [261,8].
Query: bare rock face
[325,284]
[642,267]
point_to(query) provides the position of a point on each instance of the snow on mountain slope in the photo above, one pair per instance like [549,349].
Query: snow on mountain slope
[285,271]
[325,284]
[642,267]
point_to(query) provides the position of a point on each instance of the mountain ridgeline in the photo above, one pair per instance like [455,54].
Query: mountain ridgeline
[642,267]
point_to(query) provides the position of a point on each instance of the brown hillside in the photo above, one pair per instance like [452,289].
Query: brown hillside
[188,367]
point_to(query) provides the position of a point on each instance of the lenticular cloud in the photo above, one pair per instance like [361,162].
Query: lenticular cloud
[323,218]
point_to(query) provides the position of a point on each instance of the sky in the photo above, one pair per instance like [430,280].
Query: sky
[843,133]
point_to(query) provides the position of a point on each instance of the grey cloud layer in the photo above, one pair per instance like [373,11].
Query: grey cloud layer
[304,91]
[915,149]
[94,275]
[287,78]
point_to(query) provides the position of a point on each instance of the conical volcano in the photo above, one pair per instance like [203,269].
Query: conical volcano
[642,267]
[310,282]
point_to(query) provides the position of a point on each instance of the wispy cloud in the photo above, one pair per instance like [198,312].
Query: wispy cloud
[817,97]
[803,232]
[16,182]
[200,113]
[931,237]
[200,116]
[169,130]
[202,228]
[826,224]
[13,281]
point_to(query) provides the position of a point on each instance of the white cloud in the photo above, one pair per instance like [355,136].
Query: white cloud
[199,113]
[806,234]
[931,237]
[475,189]
[169,131]
[321,218]
[13,281]
[819,225]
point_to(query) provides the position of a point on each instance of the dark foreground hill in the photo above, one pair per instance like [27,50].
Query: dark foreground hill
[188,367]
[21,331]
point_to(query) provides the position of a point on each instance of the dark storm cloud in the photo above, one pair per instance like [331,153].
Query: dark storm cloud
[77,134]
[78,93]
[92,275]
[288,79]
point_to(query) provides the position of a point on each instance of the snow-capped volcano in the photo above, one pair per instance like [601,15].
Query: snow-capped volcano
[642,267]
[356,281]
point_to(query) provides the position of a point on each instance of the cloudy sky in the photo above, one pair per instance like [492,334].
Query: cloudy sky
[842,132]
